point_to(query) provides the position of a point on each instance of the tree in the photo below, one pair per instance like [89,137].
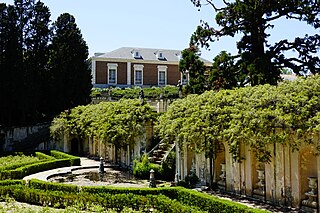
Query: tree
[259,60]
[191,65]
[10,77]
[36,61]
[225,73]
[71,75]
[39,77]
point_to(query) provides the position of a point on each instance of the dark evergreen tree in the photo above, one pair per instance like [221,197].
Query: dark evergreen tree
[38,80]
[10,61]
[71,75]
[224,73]
[24,111]
[192,65]
[259,60]
[36,60]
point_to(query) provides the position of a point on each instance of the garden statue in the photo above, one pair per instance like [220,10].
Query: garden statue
[141,96]
[179,85]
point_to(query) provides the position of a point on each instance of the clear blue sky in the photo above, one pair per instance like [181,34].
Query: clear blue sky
[107,25]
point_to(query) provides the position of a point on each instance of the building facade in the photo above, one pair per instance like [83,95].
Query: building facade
[144,67]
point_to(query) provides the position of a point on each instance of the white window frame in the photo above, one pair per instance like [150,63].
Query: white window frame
[138,67]
[164,69]
[112,66]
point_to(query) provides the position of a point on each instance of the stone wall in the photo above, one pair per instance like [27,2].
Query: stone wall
[25,138]
[290,179]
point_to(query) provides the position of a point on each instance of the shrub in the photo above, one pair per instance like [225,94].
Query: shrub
[57,160]
[174,199]
[74,161]
[141,169]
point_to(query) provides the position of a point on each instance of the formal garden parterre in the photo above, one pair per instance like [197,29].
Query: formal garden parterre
[48,194]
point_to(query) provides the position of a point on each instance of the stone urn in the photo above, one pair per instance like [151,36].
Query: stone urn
[312,195]
[313,185]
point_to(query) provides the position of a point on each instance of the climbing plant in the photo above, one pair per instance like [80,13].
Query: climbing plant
[114,122]
[256,116]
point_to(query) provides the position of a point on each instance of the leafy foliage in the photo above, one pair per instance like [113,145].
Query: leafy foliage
[164,199]
[192,64]
[256,116]
[13,161]
[20,165]
[153,92]
[113,122]
[224,73]
[141,169]
[257,59]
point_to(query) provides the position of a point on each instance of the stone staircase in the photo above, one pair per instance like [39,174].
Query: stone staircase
[160,152]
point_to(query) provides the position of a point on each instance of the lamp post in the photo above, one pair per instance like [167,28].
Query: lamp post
[101,168]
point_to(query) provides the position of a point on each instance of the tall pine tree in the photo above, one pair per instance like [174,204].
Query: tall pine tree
[71,75]
[40,74]
[10,77]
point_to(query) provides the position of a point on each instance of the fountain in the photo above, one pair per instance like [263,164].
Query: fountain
[311,204]
[100,175]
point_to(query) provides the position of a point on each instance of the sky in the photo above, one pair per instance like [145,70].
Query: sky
[167,24]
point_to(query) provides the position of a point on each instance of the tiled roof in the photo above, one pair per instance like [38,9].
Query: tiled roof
[147,54]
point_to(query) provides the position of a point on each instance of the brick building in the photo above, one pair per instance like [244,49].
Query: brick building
[129,66]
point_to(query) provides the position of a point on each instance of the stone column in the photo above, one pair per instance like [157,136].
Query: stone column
[229,171]
[248,171]
[128,73]
[270,176]
[185,161]
[295,179]
[279,177]
[66,146]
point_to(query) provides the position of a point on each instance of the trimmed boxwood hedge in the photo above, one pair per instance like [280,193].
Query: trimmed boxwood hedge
[56,160]
[74,161]
[175,196]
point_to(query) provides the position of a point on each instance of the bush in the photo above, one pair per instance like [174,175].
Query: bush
[169,167]
[150,93]
[174,199]
[141,169]
[74,161]
[57,160]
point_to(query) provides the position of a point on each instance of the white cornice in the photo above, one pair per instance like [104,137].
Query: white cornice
[140,61]
[134,61]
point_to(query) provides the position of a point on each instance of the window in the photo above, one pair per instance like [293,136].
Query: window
[112,76]
[112,73]
[162,78]
[162,75]
[136,55]
[138,74]
[160,56]
[138,77]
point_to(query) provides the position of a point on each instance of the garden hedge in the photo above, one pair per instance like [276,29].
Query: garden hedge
[56,160]
[165,199]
